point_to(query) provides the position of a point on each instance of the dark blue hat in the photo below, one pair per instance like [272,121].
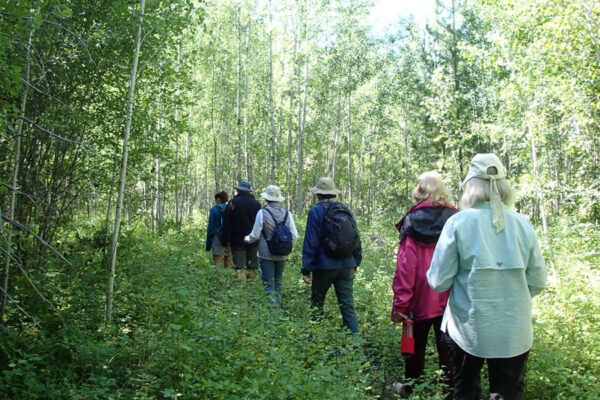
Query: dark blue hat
[244,186]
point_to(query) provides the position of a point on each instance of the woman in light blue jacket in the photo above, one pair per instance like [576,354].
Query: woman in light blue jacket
[489,258]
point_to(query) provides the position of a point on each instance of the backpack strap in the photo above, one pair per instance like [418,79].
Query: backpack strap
[274,220]
[285,218]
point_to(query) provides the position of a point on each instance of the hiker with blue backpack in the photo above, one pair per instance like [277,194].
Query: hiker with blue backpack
[214,231]
[332,252]
[275,231]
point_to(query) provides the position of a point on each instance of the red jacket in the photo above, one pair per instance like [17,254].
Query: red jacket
[419,230]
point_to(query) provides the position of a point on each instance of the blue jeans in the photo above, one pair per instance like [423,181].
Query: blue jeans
[271,272]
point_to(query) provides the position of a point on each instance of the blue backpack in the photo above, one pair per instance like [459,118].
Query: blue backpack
[280,243]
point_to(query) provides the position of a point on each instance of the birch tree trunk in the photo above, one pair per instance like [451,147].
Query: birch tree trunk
[288,174]
[238,124]
[271,124]
[13,191]
[185,184]
[122,175]
[302,120]
[177,190]
[157,199]
[349,135]
[336,137]
[406,157]
[538,187]
[247,161]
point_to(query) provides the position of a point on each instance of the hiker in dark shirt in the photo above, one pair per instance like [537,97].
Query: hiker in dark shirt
[214,231]
[323,267]
[237,223]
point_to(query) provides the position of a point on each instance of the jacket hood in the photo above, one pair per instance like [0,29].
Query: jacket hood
[424,222]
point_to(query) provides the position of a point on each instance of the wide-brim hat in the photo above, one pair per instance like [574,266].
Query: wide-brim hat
[325,185]
[272,193]
[244,186]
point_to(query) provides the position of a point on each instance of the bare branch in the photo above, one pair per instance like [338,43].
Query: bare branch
[33,199]
[45,21]
[18,307]
[54,135]
[74,35]
[19,264]
[33,54]
[46,94]
[39,239]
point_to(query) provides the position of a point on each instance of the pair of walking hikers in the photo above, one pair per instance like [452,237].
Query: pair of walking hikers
[471,276]
[262,238]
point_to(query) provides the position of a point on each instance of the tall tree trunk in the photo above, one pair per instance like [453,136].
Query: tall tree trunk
[336,135]
[406,156]
[177,191]
[238,125]
[538,187]
[185,183]
[157,192]
[288,172]
[302,120]
[13,191]
[247,161]
[271,123]
[349,136]
[122,176]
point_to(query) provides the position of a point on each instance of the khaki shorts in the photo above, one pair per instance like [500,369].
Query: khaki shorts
[218,249]
[245,257]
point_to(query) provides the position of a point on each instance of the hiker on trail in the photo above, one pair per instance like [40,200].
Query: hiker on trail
[215,229]
[419,230]
[275,231]
[489,258]
[238,222]
[332,252]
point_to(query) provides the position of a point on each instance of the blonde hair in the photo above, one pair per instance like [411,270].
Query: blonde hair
[429,186]
[477,190]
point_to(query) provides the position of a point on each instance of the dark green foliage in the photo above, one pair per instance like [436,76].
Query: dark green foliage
[183,327]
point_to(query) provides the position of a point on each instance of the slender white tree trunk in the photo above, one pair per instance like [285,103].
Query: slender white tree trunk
[538,186]
[247,161]
[271,123]
[122,175]
[302,120]
[238,122]
[13,191]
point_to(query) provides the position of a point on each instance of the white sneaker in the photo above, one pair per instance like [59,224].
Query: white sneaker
[400,389]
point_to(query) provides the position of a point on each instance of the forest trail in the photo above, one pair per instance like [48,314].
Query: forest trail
[216,336]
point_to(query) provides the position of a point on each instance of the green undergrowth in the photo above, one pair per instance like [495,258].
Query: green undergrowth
[183,328]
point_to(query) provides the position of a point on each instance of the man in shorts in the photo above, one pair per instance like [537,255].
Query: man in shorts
[215,229]
[237,223]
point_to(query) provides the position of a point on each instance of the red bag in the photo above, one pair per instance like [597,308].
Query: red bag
[407,345]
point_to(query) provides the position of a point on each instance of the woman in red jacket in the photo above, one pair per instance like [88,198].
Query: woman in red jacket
[419,231]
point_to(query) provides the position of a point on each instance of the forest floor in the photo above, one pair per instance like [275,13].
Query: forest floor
[183,328]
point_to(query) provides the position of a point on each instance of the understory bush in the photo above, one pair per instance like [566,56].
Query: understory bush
[183,328]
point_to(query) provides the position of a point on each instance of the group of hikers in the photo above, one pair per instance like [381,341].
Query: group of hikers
[470,274]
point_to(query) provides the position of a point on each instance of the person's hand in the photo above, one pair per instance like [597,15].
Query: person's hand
[398,316]
[307,278]
[226,251]
[247,239]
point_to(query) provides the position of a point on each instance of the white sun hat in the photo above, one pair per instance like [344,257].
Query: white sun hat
[272,193]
